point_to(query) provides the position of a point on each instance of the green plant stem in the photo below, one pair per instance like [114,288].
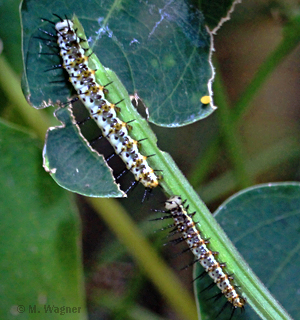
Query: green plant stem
[184,302]
[291,39]
[134,312]
[286,150]
[10,84]
[122,225]
[234,146]
[203,163]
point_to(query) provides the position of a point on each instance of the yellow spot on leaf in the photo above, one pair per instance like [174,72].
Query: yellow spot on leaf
[205,99]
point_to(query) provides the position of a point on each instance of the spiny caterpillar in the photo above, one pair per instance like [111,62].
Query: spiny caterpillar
[184,224]
[92,95]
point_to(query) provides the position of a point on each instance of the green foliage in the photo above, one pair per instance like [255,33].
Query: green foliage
[163,54]
[39,239]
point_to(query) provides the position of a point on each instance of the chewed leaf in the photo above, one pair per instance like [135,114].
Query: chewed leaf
[102,108]
[217,11]
[160,51]
[163,57]
[73,164]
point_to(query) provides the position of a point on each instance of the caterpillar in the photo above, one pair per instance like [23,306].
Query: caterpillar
[184,224]
[92,95]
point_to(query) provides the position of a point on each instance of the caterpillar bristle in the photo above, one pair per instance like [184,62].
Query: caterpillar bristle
[176,255]
[52,45]
[60,18]
[110,157]
[148,192]
[232,312]
[47,33]
[54,67]
[217,296]
[151,155]
[70,102]
[120,175]
[233,309]
[176,240]
[184,251]
[57,81]
[68,22]
[96,139]
[93,95]
[160,218]
[170,235]
[226,304]
[82,122]
[168,227]
[49,53]
[210,286]
[47,20]
[109,84]
[44,39]
[201,276]
[120,102]
[177,208]
[189,265]
[132,186]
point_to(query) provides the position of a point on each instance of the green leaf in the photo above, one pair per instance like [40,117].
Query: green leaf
[263,223]
[44,93]
[39,236]
[160,51]
[72,163]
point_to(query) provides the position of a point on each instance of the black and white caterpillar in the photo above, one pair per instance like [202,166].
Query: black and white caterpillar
[186,227]
[92,95]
